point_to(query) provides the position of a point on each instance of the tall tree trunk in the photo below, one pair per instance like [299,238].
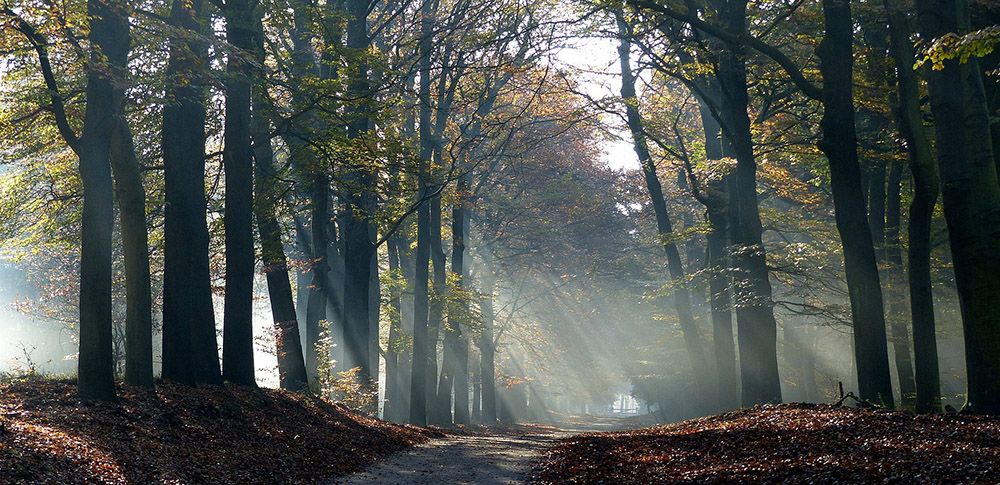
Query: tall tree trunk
[393,394]
[682,299]
[359,200]
[336,286]
[897,305]
[131,198]
[291,363]
[109,38]
[305,160]
[487,351]
[407,266]
[752,293]
[459,363]
[718,279]
[422,351]
[439,405]
[877,206]
[374,321]
[190,349]
[237,337]
[884,198]
[267,189]
[318,283]
[925,193]
[971,198]
[839,143]
[477,395]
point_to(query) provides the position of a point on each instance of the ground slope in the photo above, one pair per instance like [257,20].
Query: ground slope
[179,434]
[791,443]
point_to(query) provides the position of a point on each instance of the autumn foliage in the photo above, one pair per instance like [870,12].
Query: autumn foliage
[789,443]
[180,434]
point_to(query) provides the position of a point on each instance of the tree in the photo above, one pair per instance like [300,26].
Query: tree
[107,57]
[359,202]
[237,158]
[839,143]
[292,373]
[422,350]
[971,198]
[190,352]
[925,193]
[682,298]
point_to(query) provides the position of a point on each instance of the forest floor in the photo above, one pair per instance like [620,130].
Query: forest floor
[177,434]
[229,434]
[788,443]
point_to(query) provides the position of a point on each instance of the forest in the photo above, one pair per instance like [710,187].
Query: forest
[499,241]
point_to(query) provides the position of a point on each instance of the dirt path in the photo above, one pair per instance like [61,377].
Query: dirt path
[485,460]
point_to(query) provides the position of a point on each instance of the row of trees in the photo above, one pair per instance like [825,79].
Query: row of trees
[339,147]
[723,53]
[336,134]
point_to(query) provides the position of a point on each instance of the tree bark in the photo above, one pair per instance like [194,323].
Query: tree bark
[718,279]
[359,201]
[131,198]
[109,38]
[237,160]
[839,143]
[393,395]
[971,197]
[291,361]
[752,293]
[461,365]
[318,288]
[925,193]
[190,349]
[422,351]
[439,405]
[487,351]
[899,334]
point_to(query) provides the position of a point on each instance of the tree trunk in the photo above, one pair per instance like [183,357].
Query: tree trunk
[131,198]
[190,349]
[393,395]
[109,38]
[487,350]
[900,337]
[359,200]
[374,321]
[460,364]
[422,351]
[877,206]
[718,278]
[925,193]
[407,266]
[757,328]
[971,198]
[477,395]
[237,337]
[318,289]
[884,207]
[439,405]
[839,143]
[267,189]
[682,298]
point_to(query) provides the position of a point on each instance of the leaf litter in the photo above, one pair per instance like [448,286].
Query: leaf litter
[787,443]
[179,434]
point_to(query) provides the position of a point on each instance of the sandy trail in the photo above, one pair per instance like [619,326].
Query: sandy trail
[498,459]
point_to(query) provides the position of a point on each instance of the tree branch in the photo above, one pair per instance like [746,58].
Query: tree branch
[791,68]
[58,108]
